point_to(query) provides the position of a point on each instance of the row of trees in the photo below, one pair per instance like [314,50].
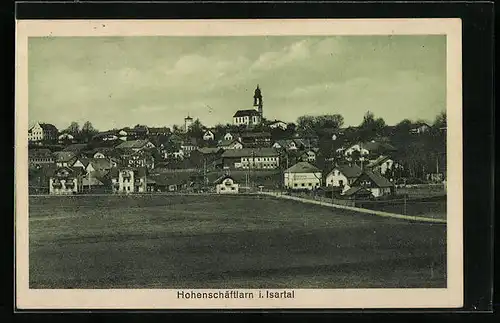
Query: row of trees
[85,133]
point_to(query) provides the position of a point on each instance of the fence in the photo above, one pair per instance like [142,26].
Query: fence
[434,206]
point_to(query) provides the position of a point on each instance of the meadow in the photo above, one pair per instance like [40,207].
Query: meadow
[225,242]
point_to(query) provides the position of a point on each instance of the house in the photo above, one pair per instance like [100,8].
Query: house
[419,128]
[40,157]
[65,158]
[76,148]
[367,149]
[381,164]
[230,144]
[343,175]
[103,152]
[188,146]
[129,180]
[208,135]
[66,180]
[308,156]
[106,136]
[230,136]
[42,131]
[81,162]
[226,185]
[100,165]
[287,144]
[302,176]
[138,159]
[251,158]
[375,183]
[136,145]
[256,139]
[128,134]
[358,193]
[278,124]
[246,117]
[161,131]
[66,138]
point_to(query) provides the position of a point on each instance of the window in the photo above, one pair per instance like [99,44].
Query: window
[341,183]
[232,188]
[222,188]
[303,184]
[310,184]
[295,185]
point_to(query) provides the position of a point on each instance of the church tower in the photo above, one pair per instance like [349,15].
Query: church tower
[257,101]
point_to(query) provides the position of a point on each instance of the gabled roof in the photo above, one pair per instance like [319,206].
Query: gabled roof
[225,143]
[245,113]
[261,134]
[75,147]
[379,161]
[357,190]
[48,127]
[377,146]
[249,152]
[349,171]
[100,163]
[377,179]
[209,150]
[64,156]
[133,144]
[222,178]
[303,167]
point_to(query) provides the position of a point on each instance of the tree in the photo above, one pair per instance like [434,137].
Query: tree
[371,127]
[196,129]
[73,129]
[440,121]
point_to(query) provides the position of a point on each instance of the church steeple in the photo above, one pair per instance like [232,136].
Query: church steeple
[257,100]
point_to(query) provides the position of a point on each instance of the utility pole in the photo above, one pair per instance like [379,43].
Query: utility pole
[404,205]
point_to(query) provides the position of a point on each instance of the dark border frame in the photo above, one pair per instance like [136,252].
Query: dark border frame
[478,102]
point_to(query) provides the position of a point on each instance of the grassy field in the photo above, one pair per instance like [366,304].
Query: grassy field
[225,242]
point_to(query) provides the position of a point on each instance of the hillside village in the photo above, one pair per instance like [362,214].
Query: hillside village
[252,152]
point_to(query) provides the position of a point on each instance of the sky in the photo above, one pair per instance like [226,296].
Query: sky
[115,82]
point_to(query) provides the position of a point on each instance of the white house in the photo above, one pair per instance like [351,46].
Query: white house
[208,135]
[375,183]
[278,124]
[246,117]
[230,144]
[420,128]
[343,176]
[369,148]
[65,137]
[129,181]
[226,185]
[42,131]
[302,176]
[251,158]
[381,165]
[136,145]
[66,180]
[287,144]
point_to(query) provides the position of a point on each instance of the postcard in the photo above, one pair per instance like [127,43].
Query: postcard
[246,164]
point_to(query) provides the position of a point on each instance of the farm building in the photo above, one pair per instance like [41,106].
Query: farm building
[343,175]
[302,176]
[226,185]
[375,183]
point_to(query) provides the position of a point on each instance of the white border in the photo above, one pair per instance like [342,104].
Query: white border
[450,297]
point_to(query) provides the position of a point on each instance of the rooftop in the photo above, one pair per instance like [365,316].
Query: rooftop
[303,167]
[249,152]
[246,113]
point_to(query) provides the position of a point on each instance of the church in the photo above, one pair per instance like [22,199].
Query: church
[253,116]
